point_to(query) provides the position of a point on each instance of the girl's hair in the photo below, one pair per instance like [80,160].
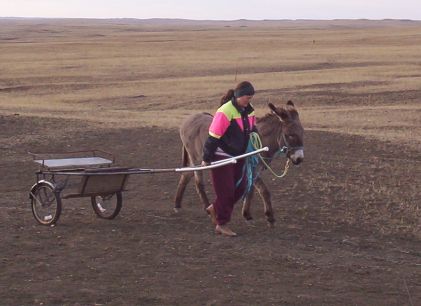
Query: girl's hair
[243,88]
[227,97]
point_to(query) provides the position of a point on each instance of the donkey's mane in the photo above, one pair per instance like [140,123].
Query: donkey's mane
[270,121]
[268,116]
[267,123]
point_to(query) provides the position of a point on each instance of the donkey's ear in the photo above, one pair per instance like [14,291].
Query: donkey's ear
[272,107]
[280,112]
[290,103]
[283,114]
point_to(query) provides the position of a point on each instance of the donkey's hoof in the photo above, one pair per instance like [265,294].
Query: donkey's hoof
[177,210]
[271,224]
[250,223]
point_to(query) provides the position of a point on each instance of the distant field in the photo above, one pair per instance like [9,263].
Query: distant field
[356,77]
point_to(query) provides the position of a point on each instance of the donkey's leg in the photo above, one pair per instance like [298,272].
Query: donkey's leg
[265,194]
[184,180]
[246,205]
[200,188]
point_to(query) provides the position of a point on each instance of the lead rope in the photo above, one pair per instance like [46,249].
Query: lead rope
[256,142]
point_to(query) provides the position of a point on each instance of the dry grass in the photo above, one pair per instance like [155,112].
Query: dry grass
[357,79]
[124,74]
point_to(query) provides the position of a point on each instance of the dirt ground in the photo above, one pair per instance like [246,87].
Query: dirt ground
[347,230]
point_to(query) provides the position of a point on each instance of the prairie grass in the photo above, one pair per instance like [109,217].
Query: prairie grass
[350,77]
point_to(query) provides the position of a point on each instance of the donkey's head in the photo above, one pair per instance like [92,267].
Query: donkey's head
[292,134]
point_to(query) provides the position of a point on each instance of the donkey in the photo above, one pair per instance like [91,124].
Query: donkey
[281,127]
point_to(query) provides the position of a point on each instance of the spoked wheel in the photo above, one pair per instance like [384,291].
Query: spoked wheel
[45,203]
[107,206]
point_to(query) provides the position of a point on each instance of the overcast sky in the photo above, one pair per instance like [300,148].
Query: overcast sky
[214,9]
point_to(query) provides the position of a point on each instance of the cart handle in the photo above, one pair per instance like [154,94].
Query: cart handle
[216,164]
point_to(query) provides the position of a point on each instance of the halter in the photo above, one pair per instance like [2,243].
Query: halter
[287,148]
[283,150]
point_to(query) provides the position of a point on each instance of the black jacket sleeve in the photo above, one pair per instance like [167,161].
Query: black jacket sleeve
[209,148]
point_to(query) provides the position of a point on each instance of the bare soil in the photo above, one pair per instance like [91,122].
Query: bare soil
[347,231]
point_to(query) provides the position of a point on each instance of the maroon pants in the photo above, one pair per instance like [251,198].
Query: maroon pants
[224,180]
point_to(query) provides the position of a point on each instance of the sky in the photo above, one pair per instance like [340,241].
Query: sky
[214,9]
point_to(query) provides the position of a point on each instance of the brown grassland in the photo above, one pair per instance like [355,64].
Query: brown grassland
[348,225]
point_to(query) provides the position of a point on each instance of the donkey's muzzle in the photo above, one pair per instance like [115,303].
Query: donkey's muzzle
[298,157]
[298,161]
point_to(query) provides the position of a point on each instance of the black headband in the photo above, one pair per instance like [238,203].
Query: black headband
[247,90]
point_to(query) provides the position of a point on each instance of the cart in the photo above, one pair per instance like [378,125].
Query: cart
[72,175]
[90,174]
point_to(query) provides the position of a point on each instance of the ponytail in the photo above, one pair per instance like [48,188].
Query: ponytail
[228,96]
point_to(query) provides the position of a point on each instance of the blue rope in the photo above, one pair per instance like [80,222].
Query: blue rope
[249,170]
[251,167]
[251,162]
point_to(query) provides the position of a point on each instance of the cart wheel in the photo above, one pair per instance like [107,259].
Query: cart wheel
[107,206]
[45,203]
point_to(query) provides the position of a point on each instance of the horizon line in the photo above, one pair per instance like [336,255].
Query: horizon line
[215,20]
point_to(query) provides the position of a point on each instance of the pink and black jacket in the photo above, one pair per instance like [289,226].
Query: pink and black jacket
[230,130]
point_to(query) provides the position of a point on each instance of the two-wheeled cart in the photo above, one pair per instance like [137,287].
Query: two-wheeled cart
[90,174]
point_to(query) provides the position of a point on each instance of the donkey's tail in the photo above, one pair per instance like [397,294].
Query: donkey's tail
[184,157]
[184,180]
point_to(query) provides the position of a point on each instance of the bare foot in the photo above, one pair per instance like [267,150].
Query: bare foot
[224,230]
[212,214]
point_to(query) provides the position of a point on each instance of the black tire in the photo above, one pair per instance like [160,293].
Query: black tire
[45,203]
[108,206]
